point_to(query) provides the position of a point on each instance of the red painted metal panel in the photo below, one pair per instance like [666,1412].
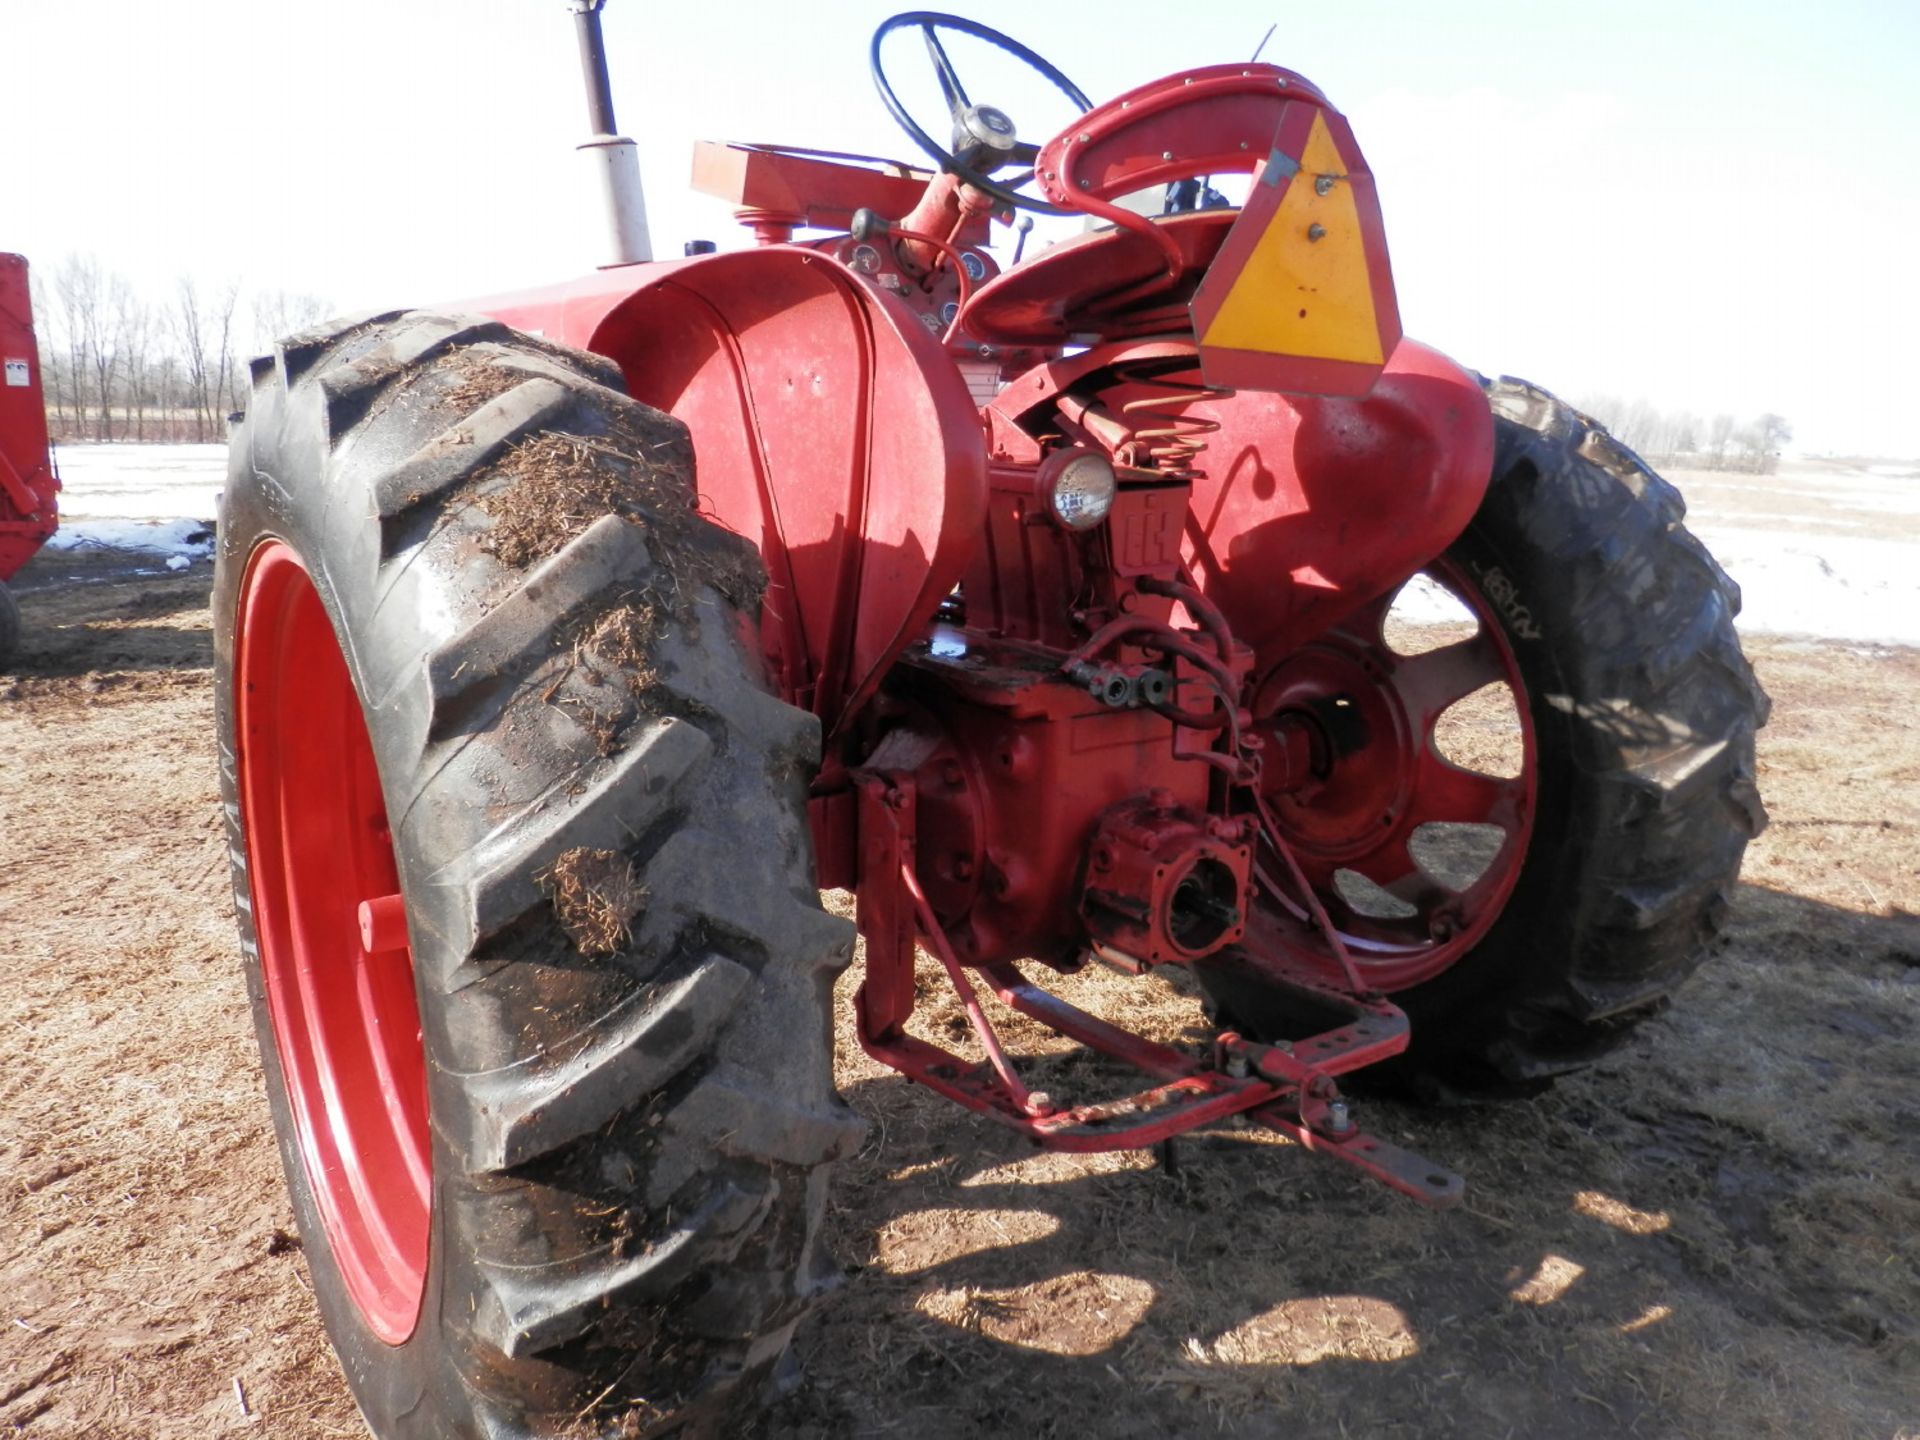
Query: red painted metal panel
[1070,288]
[816,190]
[28,510]
[828,426]
[1310,507]
[1303,507]
[1210,121]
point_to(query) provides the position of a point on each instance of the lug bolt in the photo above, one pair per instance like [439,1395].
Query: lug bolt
[1316,232]
[383,924]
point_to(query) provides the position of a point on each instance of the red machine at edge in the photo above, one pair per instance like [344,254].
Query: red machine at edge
[28,483]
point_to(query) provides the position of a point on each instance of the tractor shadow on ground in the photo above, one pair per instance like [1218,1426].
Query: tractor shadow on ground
[110,622]
[1723,1199]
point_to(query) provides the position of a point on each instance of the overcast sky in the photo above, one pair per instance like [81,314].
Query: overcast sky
[1708,205]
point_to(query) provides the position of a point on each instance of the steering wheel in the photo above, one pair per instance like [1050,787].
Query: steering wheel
[983,135]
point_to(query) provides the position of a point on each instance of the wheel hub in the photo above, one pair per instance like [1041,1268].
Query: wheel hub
[1412,855]
[1361,742]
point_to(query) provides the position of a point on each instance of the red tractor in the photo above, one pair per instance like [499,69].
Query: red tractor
[29,487]
[569,645]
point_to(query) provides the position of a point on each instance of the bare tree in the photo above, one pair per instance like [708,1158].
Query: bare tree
[1774,435]
[76,284]
[279,313]
[103,304]
[53,381]
[190,336]
[118,365]
[1719,438]
[1679,437]
[1685,433]
[203,327]
[225,381]
[136,346]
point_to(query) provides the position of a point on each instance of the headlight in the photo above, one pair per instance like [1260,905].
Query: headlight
[1078,487]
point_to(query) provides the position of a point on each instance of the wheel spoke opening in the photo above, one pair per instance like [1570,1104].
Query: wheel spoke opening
[1424,615]
[1368,898]
[1456,853]
[1483,732]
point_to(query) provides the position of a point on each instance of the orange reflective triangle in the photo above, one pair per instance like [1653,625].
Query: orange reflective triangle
[1305,289]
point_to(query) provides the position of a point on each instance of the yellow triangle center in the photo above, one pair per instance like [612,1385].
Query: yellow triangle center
[1305,289]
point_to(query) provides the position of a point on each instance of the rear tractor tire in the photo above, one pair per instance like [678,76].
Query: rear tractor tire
[1623,835]
[525,888]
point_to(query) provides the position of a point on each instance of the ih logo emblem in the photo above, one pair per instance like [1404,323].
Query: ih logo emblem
[1147,530]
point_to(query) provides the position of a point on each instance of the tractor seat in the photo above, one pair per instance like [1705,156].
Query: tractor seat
[1082,286]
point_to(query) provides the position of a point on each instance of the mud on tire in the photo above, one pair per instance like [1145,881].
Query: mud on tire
[1644,712]
[597,814]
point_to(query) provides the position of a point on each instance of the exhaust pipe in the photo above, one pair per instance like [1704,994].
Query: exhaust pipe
[610,155]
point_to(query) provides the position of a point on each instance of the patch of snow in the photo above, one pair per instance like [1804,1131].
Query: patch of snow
[187,539]
[1828,587]
[1782,517]
[140,482]
[1893,498]
[1835,587]
[158,498]
[1425,601]
[1861,589]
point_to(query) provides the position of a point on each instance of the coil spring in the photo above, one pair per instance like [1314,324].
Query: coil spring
[1172,446]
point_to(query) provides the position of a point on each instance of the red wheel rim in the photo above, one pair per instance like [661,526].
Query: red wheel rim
[1382,778]
[346,1024]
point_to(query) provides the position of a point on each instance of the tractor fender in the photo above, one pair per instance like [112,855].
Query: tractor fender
[1303,507]
[1311,506]
[829,427]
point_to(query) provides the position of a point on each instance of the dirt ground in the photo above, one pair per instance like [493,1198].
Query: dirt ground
[1712,1234]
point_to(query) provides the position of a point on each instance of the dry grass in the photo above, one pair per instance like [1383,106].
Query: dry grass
[546,490]
[621,639]
[1739,1189]
[1705,1236]
[475,381]
[596,894]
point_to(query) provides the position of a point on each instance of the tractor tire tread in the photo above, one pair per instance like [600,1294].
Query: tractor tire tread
[621,1136]
[1642,934]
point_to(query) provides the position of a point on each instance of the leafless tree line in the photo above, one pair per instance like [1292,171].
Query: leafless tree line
[123,365]
[1683,439]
